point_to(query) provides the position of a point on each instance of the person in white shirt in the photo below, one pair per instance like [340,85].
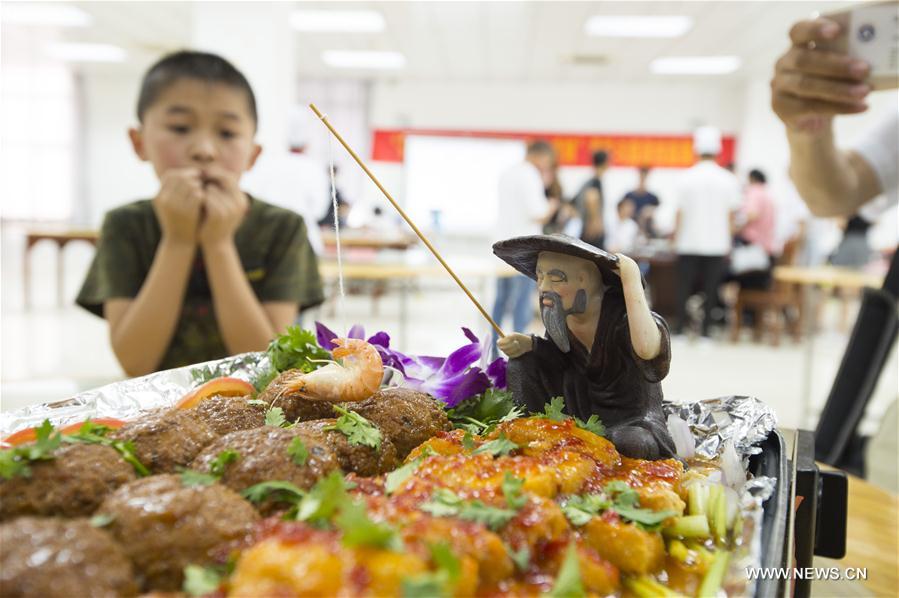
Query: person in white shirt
[623,237]
[523,210]
[708,196]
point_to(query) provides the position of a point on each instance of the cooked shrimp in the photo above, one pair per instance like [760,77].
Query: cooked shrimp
[355,379]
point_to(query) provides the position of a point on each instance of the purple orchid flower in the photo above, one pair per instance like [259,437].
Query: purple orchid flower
[451,379]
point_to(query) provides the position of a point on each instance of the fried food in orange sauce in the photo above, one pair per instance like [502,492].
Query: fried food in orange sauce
[528,468]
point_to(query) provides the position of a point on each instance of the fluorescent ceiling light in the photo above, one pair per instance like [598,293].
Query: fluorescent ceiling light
[337,21]
[77,52]
[637,26]
[695,65]
[352,59]
[39,13]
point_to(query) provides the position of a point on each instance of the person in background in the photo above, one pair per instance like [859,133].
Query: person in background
[343,209]
[757,224]
[623,237]
[811,86]
[524,209]
[589,202]
[645,203]
[202,270]
[708,196]
[294,179]
[553,192]
[853,251]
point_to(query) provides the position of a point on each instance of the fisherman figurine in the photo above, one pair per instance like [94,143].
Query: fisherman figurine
[605,352]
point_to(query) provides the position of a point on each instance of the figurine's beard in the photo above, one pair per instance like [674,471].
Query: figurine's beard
[554,316]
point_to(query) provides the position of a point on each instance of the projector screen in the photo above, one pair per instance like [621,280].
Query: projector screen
[451,182]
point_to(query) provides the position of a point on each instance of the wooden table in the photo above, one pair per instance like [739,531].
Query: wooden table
[366,239]
[61,237]
[407,274]
[871,543]
[812,281]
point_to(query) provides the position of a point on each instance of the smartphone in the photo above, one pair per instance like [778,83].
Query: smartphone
[870,32]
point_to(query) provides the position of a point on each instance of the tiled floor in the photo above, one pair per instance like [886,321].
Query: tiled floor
[50,352]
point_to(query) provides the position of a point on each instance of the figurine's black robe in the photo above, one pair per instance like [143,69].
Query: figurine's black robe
[611,381]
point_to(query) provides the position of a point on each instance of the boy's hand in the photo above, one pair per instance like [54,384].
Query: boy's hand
[515,344]
[178,204]
[225,206]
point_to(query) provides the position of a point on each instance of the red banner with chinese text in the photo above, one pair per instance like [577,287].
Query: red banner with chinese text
[658,151]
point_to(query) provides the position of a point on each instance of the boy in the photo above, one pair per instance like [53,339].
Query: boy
[202,270]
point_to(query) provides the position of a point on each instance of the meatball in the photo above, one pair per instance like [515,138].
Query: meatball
[164,526]
[407,417]
[57,557]
[359,459]
[229,414]
[72,484]
[295,407]
[263,456]
[167,440]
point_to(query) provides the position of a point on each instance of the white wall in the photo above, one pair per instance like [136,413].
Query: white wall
[666,106]
[114,174]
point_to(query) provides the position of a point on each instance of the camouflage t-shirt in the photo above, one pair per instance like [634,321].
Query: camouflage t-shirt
[279,262]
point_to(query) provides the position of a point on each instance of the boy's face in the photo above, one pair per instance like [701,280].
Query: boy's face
[195,124]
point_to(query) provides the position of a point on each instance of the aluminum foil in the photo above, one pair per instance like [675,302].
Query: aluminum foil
[743,420]
[132,398]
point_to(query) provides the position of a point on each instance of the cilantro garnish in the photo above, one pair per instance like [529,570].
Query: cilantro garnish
[217,467]
[521,557]
[435,583]
[296,349]
[14,461]
[426,585]
[554,410]
[481,413]
[191,478]
[446,503]
[297,451]
[259,402]
[322,501]
[580,509]
[468,441]
[200,581]
[499,447]
[395,478]
[275,417]
[512,486]
[357,429]
[593,424]
[568,583]
[359,530]
[101,520]
[91,433]
[283,490]
[619,497]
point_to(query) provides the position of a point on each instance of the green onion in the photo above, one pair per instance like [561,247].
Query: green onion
[715,575]
[647,587]
[720,527]
[697,495]
[679,551]
[691,526]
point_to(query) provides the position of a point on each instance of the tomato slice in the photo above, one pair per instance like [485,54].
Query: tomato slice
[229,387]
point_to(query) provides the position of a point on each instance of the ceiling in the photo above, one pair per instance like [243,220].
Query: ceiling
[488,41]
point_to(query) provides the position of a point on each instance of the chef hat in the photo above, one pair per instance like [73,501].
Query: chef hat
[707,141]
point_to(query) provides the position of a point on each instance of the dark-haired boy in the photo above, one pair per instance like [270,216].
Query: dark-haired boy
[202,270]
